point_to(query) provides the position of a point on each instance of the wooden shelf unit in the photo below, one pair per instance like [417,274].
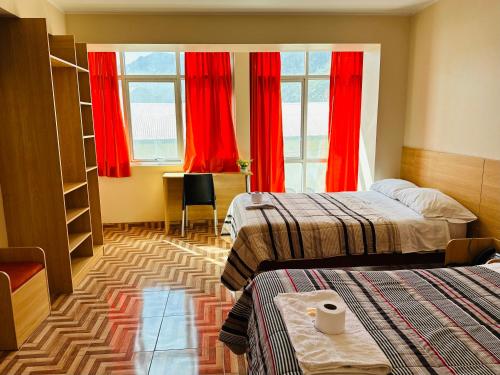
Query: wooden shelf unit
[49,184]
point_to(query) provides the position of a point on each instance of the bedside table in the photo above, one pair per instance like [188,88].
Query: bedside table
[463,251]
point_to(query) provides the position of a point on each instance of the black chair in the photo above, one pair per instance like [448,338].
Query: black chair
[198,191]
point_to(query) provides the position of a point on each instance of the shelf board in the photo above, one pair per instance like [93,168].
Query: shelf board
[88,136]
[57,62]
[74,213]
[68,187]
[75,239]
[86,103]
[91,168]
[80,266]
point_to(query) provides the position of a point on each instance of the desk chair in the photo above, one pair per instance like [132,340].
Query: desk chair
[198,191]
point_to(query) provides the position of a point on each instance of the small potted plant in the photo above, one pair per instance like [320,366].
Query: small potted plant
[243,164]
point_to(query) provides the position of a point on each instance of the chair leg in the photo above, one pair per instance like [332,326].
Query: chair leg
[183,222]
[216,222]
[187,217]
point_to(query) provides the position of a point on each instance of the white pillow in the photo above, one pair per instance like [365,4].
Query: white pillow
[390,186]
[431,203]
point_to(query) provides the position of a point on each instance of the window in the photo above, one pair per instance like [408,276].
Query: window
[152,88]
[305,92]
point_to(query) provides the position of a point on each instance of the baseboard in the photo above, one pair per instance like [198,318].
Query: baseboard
[154,224]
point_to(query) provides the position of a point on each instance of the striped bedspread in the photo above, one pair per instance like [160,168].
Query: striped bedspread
[303,226]
[440,321]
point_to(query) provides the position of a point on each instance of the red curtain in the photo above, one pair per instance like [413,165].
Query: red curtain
[113,158]
[266,129]
[346,79]
[210,138]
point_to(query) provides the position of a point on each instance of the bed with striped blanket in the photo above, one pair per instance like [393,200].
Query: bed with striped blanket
[436,321]
[322,226]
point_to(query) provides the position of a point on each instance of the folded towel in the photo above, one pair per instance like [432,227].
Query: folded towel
[259,201]
[352,352]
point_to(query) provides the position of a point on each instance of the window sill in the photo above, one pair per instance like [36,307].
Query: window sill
[155,164]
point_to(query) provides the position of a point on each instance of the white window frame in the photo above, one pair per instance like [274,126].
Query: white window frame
[176,79]
[304,79]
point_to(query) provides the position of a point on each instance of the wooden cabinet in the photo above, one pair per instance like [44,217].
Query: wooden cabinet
[48,171]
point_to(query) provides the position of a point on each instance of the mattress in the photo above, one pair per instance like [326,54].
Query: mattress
[437,321]
[317,226]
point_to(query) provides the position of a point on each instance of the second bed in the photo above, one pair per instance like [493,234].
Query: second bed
[329,229]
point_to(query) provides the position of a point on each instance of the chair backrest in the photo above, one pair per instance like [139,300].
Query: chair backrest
[198,190]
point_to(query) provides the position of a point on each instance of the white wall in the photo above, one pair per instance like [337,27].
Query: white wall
[454,78]
[134,199]
[241,76]
[56,20]
[390,32]
[369,109]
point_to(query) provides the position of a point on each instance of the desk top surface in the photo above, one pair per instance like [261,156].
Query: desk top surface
[181,174]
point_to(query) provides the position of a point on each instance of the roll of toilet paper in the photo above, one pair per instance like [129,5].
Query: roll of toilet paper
[330,317]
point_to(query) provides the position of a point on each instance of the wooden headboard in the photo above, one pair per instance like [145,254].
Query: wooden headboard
[473,181]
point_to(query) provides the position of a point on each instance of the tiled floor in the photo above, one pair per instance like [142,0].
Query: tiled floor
[153,305]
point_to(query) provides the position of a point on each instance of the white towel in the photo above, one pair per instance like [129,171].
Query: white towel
[259,200]
[352,352]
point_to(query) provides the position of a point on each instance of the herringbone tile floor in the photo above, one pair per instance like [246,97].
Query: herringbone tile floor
[152,305]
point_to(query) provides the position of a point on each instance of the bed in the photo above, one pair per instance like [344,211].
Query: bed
[329,229]
[400,238]
[435,321]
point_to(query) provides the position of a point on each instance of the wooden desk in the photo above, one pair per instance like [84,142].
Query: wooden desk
[227,186]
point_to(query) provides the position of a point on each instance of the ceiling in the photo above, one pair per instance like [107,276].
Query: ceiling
[245,6]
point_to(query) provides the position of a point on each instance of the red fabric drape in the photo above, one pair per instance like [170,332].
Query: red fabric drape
[346,79]
[113,158]
[210,138]
[266,129]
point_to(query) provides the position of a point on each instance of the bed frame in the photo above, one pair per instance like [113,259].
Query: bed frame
[472,181]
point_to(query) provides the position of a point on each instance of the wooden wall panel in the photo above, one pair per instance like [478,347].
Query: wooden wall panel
[489,213]
[473,181]
[459,176]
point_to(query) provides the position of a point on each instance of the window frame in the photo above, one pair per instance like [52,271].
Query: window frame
[177,79]
[304,80]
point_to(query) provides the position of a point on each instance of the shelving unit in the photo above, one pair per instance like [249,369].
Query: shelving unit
[48,165]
